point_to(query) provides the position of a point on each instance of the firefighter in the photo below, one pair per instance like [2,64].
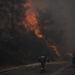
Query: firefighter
[43,58]
[73,59]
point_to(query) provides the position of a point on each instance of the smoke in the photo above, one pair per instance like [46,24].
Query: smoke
[63,14]
[41,4]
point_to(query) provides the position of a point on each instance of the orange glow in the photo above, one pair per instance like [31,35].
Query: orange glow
[69,54]
[51,44]
[37,32]
[55,49]
[31,23]
[31,17]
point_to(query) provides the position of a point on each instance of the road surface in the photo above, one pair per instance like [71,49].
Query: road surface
[57,68]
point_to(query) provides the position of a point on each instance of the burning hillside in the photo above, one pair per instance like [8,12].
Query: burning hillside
[24,33]
[32,24]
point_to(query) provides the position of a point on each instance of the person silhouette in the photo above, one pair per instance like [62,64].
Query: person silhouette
[42,59]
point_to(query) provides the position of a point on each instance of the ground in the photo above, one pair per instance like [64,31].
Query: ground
[52,68]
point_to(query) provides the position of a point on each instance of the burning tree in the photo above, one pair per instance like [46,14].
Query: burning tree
[22,29]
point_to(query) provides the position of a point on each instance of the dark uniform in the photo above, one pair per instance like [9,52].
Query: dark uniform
[43,58]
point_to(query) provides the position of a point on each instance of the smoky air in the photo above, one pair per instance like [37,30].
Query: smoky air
[28,27]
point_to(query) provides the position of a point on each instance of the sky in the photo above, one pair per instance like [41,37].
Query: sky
[63,12]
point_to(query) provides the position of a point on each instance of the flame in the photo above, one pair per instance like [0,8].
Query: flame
[55,49]
[31,23]
[37,32]
[51,44]
[31,17]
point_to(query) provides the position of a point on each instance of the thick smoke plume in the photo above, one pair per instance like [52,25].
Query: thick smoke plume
[63,14]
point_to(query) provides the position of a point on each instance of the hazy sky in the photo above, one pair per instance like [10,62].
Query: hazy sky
[63,12]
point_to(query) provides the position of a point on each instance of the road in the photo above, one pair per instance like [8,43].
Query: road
[69,71]
[57,68]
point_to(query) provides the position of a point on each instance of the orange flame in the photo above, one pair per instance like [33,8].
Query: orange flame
[50,43]
[37,32]
[55,49]
[31,23]
[31,20]
[31,17]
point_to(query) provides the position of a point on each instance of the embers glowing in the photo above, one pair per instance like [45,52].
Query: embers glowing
[37,32]
[51,44]
[55,49]
[31,18]
[31,23]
